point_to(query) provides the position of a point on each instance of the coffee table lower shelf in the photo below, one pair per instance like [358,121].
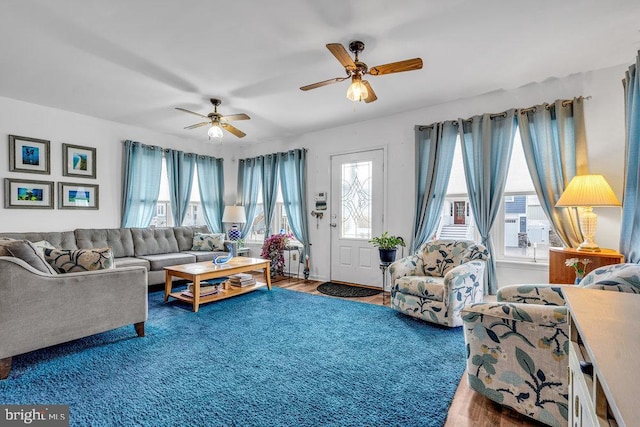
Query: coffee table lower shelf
[231,291]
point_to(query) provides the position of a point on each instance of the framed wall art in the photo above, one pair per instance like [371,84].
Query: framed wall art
[29,155]
[28,194]
[78,161]
[77,196]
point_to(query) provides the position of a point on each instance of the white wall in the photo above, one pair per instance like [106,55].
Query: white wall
[605,137]
[57,126]
[605,133]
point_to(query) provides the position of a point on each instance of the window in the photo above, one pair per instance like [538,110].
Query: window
[279,223]
[521,231]
[164,217]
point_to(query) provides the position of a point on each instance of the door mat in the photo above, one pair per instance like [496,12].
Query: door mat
[347,291]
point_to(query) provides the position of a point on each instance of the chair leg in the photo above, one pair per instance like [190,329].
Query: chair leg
[5,368]
[139,328]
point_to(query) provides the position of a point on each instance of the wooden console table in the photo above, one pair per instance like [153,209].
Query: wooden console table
[560,273]
[604,368]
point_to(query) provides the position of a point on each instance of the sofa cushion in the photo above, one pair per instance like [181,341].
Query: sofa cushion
[160,261]
[69,261]
[205,255]
[208,242]
[421,286]
[131,262]
[26,251]
[184,235]
[59,239]
[118,239]
[152,241]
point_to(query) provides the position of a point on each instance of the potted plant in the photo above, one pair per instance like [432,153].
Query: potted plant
[273,249]
[387,246]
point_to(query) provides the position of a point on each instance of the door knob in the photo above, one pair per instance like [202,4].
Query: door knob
[333,224]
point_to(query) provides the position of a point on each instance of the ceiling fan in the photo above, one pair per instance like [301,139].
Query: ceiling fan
[360,90]
[218,121]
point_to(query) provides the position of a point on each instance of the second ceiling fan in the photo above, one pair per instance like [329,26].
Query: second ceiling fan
[217,121]
[360,90]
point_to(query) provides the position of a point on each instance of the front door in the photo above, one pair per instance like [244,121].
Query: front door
[459,209]
[356,216]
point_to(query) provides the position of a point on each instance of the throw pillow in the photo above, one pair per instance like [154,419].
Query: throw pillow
[28,252]
[208,242]
[43,244]
[69,260]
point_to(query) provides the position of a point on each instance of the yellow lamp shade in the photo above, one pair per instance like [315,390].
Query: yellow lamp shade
[588,190]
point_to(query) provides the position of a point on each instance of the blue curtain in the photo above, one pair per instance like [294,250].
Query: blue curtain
[487,142]
[180,175]
[211,185]
[270,187]
[249,181]
[293,176]
[630,232]
[435,145]
[142,168]
[554,144]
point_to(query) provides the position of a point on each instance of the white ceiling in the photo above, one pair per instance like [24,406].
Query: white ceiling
[133,61]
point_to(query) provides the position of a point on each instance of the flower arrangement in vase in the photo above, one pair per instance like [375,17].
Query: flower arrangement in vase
[273,249]
[579,265]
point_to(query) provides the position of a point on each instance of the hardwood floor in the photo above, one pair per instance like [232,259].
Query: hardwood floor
[468,409]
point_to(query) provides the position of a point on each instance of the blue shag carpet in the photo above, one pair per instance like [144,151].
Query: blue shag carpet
[268,358]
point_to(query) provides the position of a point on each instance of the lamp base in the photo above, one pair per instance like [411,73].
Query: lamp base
[585,247]
[588,224]
[234,233]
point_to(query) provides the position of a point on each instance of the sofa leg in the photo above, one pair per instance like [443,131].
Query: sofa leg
[139,328]
[5,368]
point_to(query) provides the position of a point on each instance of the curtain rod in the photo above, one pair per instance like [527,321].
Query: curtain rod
[565,102]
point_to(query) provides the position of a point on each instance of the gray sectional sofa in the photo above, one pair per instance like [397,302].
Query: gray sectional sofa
[151,248]
[39,308]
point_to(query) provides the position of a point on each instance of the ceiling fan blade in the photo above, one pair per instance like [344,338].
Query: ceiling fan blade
[197,125]
[396,67]
[342,55]
[232,117]
[192,112]
[372,95]
[324,83]
[231,129]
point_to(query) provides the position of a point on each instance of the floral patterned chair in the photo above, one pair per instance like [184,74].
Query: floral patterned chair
[517,348]
[438,280]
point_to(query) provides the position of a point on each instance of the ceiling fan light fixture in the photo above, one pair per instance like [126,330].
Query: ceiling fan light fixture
[215,133]
[357,91]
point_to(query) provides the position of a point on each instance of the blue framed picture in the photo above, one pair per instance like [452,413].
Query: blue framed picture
[77,196]
[28,194]
[29,155]
[78,161]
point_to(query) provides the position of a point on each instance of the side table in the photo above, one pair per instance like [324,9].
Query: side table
[243,251]
[560,273]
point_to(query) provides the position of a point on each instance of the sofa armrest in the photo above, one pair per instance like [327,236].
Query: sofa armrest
[532,294]
[231,246]
[407,266]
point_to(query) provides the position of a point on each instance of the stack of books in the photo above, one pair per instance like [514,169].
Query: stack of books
[242,279]
[209,287]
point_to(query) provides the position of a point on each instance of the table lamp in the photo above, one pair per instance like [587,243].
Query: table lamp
[234,215]
[587,191]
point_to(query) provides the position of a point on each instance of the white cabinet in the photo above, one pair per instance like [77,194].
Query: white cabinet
[604,367]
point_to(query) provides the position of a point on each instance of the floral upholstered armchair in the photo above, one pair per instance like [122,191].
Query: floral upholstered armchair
[517,348]
[438,280]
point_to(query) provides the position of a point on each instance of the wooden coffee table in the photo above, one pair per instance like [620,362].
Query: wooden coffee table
[206,270]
